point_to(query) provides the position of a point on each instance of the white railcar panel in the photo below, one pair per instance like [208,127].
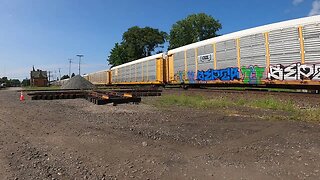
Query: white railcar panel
[205,57]
[226,54]
[178,60]
[152,70]
[191,60]
[311,34]
[284,46]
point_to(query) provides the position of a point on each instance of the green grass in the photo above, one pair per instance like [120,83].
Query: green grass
[205,102]
[269,103]
[196,101]
[310,115]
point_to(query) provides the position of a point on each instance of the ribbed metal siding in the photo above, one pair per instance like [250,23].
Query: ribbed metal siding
[128,77]
[133,73]
[253,50]
[145,71]
[113,75]
[139,72]
[152,70]
[191,64]
[178,60]
[99,77]
[226,54]
[311,34]
[123,74]
[284,46]
[129,72]
[119,74]
[205,51]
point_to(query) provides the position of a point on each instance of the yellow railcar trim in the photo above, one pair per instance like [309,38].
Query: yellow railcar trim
[171,68]
[266,37]
[214,56]
[238,52]
[167,69]
[159,70]
[127,95]
[108,77]
[301,45]
[105,97]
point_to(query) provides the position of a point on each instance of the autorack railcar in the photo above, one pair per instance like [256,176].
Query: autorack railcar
[99,78]
[148,70]
[285,53]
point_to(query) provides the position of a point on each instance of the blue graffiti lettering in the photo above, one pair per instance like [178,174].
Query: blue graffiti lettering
[227,74]
[191,77]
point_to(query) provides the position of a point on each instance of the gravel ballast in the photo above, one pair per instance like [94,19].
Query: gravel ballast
[77,82]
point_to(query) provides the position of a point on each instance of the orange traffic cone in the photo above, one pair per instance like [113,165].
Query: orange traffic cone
[21,96]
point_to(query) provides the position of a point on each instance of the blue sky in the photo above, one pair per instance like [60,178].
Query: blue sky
[45,33]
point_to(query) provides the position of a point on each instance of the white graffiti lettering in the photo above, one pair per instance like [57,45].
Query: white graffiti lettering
[275,72]
[295,71]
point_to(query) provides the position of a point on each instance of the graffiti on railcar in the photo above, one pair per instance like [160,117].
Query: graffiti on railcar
[227,74]
[179,76]
[191,77]
[252,74]
[296,71]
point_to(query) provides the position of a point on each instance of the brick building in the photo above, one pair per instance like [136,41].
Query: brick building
[38,78]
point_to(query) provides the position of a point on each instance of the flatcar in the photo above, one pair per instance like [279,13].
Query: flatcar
[285,54]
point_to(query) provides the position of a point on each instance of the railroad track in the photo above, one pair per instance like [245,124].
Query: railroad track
[241,91]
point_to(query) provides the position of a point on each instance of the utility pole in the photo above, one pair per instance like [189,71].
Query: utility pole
[54,75]
[70,67]
[59,74]
[49,76]
[80,56]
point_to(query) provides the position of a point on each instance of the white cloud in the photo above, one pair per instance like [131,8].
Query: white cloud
[297,2]
[315,8]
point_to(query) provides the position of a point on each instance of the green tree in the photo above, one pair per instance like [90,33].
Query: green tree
[25,82]
[194,28]
[118,55]
[137,43]
[15,82]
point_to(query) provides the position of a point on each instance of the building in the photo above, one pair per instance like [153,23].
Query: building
[38,78]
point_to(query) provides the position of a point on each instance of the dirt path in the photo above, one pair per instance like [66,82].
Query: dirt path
[74,139]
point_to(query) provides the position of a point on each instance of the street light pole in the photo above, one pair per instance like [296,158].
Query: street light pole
[80,56]
[70,67]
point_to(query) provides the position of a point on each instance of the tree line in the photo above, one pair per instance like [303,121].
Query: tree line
[5,82]
[140,42]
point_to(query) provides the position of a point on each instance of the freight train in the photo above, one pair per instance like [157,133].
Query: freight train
[284,54]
